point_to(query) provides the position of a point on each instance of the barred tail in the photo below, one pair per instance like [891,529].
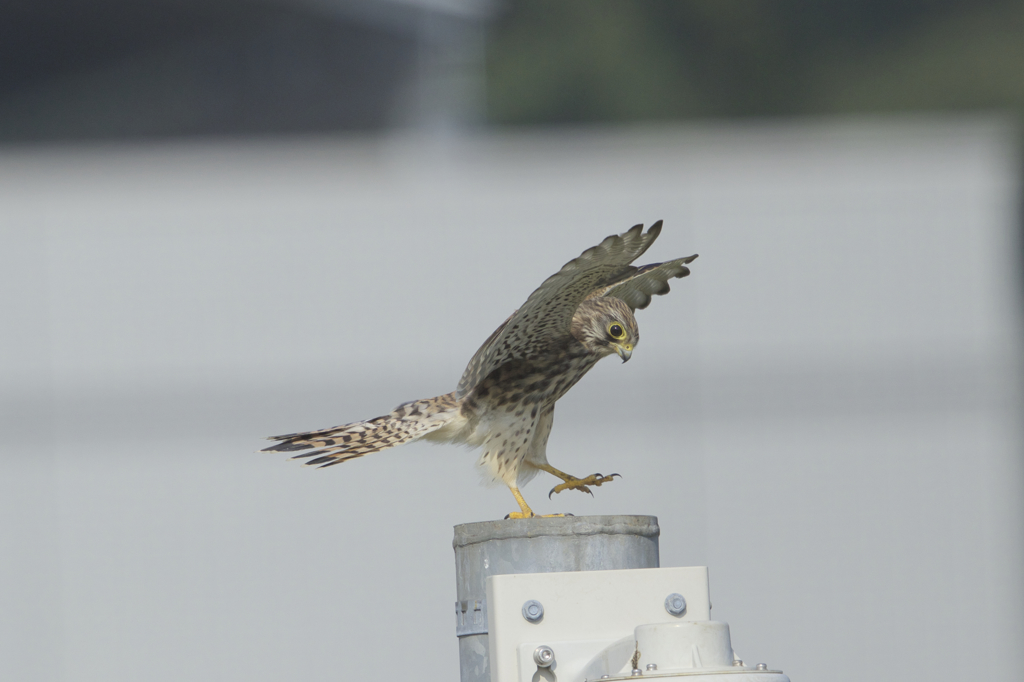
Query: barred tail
[406,422]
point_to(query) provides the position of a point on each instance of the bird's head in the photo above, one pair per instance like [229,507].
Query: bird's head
[605,326]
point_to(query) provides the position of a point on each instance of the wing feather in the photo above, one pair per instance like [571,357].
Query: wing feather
[637,289]
[544,319]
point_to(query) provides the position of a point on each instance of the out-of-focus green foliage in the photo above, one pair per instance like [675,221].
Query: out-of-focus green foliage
[552,61]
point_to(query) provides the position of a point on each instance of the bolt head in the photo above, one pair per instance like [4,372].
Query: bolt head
[543,656]
[675,604]
[738,662]
[652,666]
[762,666]
[533,611]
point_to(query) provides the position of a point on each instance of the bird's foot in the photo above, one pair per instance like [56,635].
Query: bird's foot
[582,484]
[520,515]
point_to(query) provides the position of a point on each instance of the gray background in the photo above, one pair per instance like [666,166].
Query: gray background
[826,413]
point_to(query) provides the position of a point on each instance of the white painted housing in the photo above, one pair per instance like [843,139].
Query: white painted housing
[595,622]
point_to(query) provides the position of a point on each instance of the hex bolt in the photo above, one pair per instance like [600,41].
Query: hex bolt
[533,611]
[652,666]
[543,656]
[762,666]
[675,604]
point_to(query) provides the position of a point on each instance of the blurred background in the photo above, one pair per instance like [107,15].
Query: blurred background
[224,220]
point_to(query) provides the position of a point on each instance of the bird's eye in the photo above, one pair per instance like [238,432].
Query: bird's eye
[616,331]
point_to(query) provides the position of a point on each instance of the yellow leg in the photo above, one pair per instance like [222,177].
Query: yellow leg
[573,483]
[526,511]
[555,472]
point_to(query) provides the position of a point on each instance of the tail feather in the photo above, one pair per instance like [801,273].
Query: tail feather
[407,422]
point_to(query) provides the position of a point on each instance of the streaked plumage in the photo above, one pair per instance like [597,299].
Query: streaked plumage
[504,403]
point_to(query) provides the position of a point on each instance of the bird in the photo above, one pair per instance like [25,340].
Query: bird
[504,403]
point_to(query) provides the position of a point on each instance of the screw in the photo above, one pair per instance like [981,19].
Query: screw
[675,604]
[652,666]
[738,662]
[533,611]
[543,656]
[637,672]
[762,666]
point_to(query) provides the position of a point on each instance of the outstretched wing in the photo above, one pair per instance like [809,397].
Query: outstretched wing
[649,280]
[545,317]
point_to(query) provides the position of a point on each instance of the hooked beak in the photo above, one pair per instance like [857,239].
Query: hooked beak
[625,351]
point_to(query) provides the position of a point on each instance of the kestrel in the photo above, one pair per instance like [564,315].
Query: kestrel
[505,400]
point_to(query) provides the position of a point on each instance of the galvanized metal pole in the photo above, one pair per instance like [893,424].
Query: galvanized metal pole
[537,545]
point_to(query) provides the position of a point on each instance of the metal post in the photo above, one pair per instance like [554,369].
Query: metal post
[537,545]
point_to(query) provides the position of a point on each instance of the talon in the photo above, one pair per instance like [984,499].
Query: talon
[581,484]
[563,486]
[601,479]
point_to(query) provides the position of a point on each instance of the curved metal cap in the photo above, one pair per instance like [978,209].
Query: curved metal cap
[473,533]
